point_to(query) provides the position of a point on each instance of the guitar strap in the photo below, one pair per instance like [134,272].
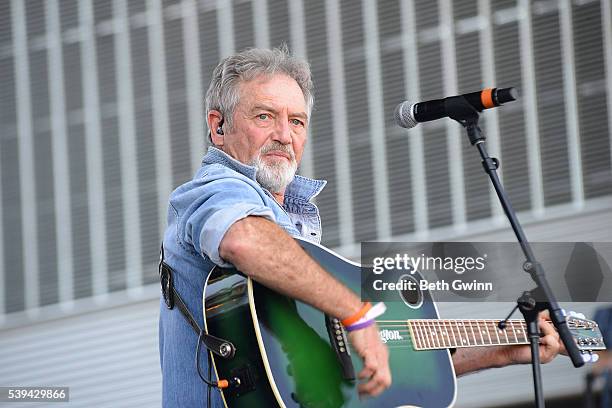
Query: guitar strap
[171,296]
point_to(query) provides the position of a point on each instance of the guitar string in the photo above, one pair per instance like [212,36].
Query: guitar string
[445,336]
[450,327]
[410,344]
[409,341]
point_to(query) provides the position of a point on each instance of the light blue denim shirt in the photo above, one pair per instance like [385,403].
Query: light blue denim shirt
[224,191]
[200,212]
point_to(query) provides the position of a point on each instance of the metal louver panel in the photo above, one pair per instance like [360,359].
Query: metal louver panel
[101,115]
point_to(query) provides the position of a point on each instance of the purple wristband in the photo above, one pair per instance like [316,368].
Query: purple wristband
[358,326]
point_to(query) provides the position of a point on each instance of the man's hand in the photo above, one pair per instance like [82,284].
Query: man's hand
[550,344]
[375,372]
[468,360]
[604,363]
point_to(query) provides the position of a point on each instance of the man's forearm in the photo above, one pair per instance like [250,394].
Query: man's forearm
[469,360]
[264,251]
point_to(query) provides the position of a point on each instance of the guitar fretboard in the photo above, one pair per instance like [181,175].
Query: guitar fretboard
[428,334]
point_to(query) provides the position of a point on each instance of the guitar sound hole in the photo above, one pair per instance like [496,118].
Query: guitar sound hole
[412,297]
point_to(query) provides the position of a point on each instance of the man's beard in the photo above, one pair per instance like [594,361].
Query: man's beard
[276,175]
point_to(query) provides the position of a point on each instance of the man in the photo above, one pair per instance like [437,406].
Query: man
[603,367]
[242,208]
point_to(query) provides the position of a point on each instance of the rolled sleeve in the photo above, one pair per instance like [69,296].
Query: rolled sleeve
[207,208]
[216,226]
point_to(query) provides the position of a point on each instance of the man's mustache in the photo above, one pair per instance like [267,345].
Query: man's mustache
[277,146]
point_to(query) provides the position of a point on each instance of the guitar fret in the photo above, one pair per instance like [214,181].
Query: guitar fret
[455,344]
[425,339]
[523,330]
[427,333]
[478,331]
[456,332]
[418,334]
[514,331]
[432,331]
[446,330]
[427,336]
[501,333]
[440,332]
[488,332]
[519,332]
[505,333]
[414,334]
[482,331]
[445,336]
[473,334]
[496,333]
[467,337]
[516,340]
[422,334]
[453,330]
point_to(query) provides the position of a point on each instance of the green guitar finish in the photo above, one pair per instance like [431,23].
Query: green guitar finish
[284,355]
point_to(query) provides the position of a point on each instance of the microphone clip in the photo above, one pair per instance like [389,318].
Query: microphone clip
[459,109]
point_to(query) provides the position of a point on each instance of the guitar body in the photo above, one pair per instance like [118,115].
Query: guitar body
[285,356]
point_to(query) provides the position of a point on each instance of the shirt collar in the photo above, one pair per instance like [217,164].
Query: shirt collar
[218,156]
[301,188]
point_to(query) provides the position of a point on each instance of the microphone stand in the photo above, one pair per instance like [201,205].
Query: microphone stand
[459,109]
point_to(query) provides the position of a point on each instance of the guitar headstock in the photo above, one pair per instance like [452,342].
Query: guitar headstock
[586,334]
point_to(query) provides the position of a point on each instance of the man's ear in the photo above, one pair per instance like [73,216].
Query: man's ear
[215,124]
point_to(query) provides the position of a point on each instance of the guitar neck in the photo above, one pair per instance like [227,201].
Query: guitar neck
[430,334]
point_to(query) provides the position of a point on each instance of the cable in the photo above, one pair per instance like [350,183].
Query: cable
[197,356]
[209,376]
[211,384]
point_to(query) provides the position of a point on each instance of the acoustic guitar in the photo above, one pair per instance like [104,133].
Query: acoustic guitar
[289,354]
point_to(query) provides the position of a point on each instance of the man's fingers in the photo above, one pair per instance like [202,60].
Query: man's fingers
[376,374]
[370,388]
[546,327]
[379,382]
[369,367]
[550,335]
[549,343]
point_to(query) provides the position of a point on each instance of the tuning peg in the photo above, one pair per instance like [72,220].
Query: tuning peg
[589,357]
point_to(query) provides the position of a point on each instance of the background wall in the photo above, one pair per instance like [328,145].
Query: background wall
[101,116]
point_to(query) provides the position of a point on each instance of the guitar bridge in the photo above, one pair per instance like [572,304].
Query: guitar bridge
[337,338]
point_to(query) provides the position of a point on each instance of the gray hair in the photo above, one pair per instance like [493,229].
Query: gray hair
[223,92]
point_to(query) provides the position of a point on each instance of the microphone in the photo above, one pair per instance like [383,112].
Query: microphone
[408,115]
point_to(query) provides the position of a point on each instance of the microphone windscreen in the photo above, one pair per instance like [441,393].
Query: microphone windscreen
[503,95]
[404,116]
